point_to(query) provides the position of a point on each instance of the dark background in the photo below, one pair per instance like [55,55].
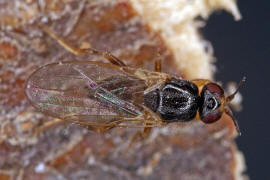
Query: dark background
[242,48]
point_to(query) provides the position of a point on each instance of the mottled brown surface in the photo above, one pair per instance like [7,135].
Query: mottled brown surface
[66,151]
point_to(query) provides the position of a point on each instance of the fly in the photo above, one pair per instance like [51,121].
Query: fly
[101,96]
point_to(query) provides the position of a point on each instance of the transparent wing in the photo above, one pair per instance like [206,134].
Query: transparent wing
[89,92]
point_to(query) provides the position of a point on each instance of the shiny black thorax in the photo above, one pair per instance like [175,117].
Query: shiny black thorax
[176,101]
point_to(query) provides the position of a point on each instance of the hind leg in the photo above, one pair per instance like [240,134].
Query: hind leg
[111,58]
[56,122]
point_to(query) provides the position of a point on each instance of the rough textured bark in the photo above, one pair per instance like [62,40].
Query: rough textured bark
[136,35]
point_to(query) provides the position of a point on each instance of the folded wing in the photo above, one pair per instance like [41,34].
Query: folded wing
[87,92]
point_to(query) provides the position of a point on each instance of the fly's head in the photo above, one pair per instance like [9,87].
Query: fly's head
[214,103]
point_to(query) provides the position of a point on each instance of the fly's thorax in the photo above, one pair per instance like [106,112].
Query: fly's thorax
[175,101]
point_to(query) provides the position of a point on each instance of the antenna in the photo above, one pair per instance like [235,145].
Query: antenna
[230,97]
[229,112]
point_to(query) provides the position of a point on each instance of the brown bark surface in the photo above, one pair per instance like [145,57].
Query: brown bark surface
[67,151]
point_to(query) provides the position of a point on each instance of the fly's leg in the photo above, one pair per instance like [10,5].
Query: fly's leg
[139,135]
[48,125]
[56,122]
[99,129]
[111,58]
[158,65]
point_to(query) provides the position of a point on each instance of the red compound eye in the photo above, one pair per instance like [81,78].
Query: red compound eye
[214,89]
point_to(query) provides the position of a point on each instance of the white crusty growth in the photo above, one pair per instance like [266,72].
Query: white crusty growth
[175,20]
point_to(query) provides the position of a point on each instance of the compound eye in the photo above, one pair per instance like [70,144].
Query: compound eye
[214,89]
[211,117]
[211,97]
